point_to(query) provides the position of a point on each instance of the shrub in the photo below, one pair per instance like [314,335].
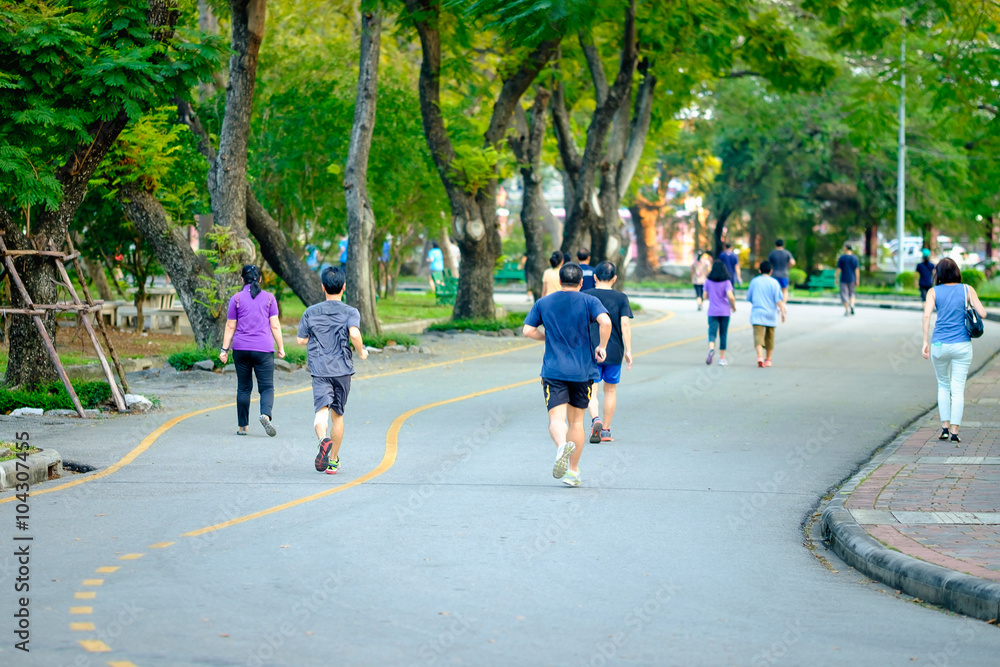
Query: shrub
[187,357]
[636,307]
[510,321]
[54,396]
[973,278]
[796,277]
[295,355]
[381,340]
[907,280]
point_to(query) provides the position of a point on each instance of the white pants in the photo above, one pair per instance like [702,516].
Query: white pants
[951,365]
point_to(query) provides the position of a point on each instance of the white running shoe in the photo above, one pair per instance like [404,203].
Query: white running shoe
[571,478]
[562,459]
[723,362]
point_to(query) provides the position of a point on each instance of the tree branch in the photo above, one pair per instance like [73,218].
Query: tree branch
[514,87]
[563,130]
[637,132]
[596,66]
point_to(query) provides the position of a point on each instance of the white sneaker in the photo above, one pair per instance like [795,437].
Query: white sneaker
[571,478]
[562,459]
[723,362]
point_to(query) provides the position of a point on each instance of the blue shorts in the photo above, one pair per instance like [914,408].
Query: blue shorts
[610,373]
[783,282]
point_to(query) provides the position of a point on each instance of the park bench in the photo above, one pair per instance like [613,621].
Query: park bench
[125,314]
[825,279]
[509,272]
[445,287]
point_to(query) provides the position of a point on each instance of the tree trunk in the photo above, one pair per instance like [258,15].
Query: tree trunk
[444,243]
[645,216]
[29,363]
[200,293]
[95,271]
[582,216]
[871,247]
[474,222]
[227,176]
[360,217]
[527,148]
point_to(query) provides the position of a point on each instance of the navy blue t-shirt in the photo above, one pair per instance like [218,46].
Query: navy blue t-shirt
[926,271]
[730,259]
[589,282]
[848,264]
[566,317]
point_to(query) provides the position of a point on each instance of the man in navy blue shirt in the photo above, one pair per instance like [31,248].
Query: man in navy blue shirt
[925,269]
[849,271]
[583,255]
[569,365]
[732,262]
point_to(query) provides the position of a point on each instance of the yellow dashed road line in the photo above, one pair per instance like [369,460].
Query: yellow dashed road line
[79,611]
[84,595]
[81,627]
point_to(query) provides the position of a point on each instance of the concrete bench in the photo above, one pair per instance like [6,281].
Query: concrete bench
[125,314]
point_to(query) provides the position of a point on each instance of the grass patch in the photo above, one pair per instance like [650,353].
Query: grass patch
[187,357]
[9,451]
[636,307]
[295,355]
[404,307]
[381,340]
[54,397]
[510,321]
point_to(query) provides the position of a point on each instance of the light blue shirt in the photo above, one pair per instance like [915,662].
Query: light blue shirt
[949,300]
[764,294]
[436,258]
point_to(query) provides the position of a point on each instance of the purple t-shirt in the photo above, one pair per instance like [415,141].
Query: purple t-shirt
[253,325]
[718,303]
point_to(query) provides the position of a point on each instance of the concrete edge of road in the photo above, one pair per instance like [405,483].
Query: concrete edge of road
[955,591]
[43,465]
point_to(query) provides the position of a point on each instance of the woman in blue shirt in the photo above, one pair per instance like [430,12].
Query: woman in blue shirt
[950,349]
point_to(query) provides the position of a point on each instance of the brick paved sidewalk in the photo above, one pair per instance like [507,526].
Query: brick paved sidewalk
[937,500]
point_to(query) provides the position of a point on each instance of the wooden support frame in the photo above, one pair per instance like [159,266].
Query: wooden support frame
[9,262]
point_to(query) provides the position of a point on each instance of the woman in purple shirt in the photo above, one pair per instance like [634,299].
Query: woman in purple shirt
[721,303]
[253,329]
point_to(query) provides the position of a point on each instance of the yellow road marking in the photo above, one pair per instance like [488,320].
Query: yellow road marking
[80,627]
[107,569]
[131,557]
[161,545]
[81,610]
[85,595]
[120,663]
[93,582]
[95,646]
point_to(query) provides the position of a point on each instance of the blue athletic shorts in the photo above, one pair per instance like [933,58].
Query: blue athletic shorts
[610,373]
[783,282]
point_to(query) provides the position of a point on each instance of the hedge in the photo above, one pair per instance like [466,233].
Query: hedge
[54,396]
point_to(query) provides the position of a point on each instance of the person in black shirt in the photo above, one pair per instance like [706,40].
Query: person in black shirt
[926,271]
[583,255]
[619,349]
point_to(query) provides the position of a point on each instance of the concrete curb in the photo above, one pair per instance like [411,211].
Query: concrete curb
[958,592]
[42,466]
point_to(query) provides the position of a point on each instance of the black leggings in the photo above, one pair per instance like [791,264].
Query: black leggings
[247,363]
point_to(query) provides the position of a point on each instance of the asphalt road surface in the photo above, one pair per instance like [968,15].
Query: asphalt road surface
[444,539]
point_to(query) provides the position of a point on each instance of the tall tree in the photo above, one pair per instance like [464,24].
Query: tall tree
[526,144]
[74,77]
[469,174]
[360,216]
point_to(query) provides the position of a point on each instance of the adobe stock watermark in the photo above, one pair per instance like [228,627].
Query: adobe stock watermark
[461,452]
[301,611]
[795,461]
[431,651]
[564,519]
[634,623]
[127,614]
[910,349]
[774,653]
[951,650]
[710,374]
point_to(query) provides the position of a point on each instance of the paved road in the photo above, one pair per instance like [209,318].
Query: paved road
[684,547]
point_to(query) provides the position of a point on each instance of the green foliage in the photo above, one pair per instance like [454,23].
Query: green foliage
[68,67]
[54,397]
[796,276]
[224,257]
[907,280]
[187,357]
[473,168]
[295,355]
[381,340]
[511,321]
[973,278]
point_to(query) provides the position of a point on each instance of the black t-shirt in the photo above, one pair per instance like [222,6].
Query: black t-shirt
[926,271]
[618,307]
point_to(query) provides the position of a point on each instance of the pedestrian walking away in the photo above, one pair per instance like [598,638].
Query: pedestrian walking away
[619,349]
[328,330]
[583,257]
[699,271]
[766,301]
[253,332]
[781,260]
[568,364]
[925,270]
[732,262]
[721,305]
[950,348]
[849,272]
[550,277]
[436,260]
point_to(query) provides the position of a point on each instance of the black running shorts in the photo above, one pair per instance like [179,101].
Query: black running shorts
[331,392]
[561,392]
